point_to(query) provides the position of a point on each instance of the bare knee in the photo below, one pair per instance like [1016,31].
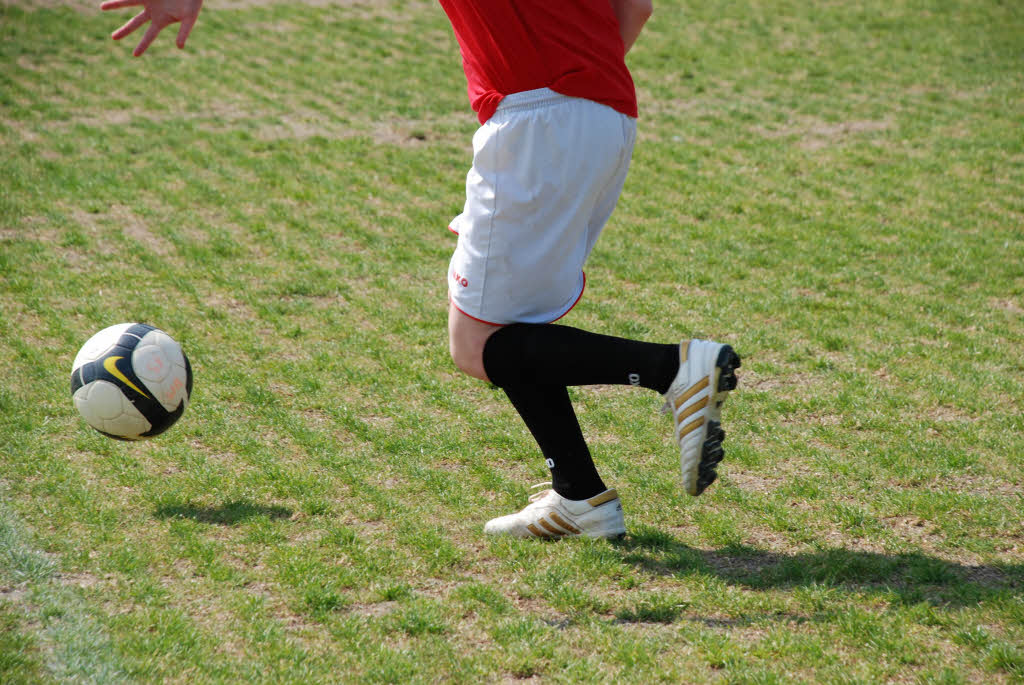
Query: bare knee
[468,358]
[466,340]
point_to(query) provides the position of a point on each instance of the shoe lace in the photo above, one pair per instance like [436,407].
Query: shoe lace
[541,494]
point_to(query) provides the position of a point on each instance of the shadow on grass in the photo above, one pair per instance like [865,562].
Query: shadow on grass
[912,577]
[227,514]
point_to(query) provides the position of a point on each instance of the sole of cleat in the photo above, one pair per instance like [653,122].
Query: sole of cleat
[712,451]
[727,363]
[711,454]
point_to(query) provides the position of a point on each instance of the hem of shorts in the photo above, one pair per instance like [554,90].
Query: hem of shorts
[576,301]
[491,323]
[452,229]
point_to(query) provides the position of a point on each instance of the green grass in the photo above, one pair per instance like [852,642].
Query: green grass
[835,189]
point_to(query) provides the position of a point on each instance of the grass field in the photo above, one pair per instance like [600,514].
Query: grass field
[835,189]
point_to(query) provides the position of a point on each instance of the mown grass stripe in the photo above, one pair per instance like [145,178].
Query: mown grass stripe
[72,643]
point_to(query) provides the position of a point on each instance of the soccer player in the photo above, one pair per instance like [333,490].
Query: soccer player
[557,108]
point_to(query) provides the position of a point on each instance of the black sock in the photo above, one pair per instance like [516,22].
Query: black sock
[548,413]
[533,364]
[560,355]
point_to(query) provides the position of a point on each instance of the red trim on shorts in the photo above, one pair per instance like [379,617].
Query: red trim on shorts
[489,323]
[580,297]
[453,231]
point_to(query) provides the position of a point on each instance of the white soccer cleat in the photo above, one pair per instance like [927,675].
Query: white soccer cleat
[549,515]
[707,372]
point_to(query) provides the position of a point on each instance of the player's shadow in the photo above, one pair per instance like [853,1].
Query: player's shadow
[911,577]
[227,514]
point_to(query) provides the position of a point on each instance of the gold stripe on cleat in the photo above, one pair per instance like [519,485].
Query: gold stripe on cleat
[694,389]
[690,427]
[537,531]
[695,407]
[563,523]
[550,528]
[606,496]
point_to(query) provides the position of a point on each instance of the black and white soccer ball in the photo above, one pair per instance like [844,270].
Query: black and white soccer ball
[131,381]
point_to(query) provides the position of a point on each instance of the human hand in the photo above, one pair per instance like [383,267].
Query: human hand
[161,13]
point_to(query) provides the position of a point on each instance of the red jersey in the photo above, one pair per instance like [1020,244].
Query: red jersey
[572,47]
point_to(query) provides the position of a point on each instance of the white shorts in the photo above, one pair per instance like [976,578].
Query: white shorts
[547,172]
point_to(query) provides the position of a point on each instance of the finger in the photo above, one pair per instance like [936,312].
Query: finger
[186,27]
[132,24]
[146,39]
[118,4]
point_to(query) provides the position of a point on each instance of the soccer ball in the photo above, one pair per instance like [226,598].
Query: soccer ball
[131,381]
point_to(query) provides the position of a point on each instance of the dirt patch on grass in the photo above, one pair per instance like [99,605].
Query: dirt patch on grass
[131,224]
[31,327]
[12,594]
[373,5]
[83,580]
[755,481]
[408,133]
[373,609]
[1008,305]
[949,414]
[271,124]
[136,228]
[751,379]
[89,6]
[78,5]
[914,529]
[984,486]
[815,134]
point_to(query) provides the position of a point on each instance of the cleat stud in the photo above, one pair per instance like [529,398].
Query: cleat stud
[705,480]
[727,359]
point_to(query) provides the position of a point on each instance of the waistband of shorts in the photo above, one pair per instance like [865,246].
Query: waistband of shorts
[530,99]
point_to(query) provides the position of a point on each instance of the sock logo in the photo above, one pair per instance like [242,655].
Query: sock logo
[634,379]
[550,462]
